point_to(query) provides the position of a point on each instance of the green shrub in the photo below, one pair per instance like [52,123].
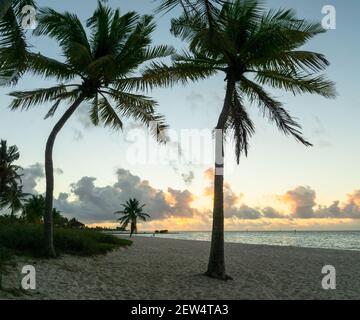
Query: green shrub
[27,239]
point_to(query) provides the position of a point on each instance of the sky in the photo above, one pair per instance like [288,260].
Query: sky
[280,185]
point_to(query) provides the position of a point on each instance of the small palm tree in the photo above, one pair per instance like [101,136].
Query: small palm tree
[253,48]
[101,71]
[132,211]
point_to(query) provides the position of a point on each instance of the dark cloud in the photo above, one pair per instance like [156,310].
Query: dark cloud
[182,201]
[243,212]
[91,203]
[349,210]
[31,177]
[302,201]
[271,213]
[94,204]
[33,174]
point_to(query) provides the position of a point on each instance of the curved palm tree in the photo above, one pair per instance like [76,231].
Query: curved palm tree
[132,211]
[13,45]
[253,48]
[100,70]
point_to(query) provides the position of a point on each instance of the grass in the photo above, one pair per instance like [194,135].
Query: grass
[27,239]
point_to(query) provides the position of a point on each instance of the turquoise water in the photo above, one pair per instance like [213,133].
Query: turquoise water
[345,240]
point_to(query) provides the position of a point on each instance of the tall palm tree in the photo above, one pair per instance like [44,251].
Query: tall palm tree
[132,211]
[102,71]
[13,45]
[9,172]
[253,48]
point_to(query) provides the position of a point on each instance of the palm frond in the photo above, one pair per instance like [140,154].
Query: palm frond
[108,115]
[47,67]
[297,61]
[155,52]
[13,46]
[273,110]
[162,75]
[67,29]
[241,125]
[140,108]
[27,99]
[297,83]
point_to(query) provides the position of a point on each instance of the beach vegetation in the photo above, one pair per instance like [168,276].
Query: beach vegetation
[130,214]
[27,239]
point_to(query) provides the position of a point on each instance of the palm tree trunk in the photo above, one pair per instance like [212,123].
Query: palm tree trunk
[132,228]
[49,173]
[216,265]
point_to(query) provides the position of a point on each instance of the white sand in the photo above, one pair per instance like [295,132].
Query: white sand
[172,269]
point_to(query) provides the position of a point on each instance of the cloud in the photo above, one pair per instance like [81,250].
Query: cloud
[231,198]
[348,210]
[31,177]
[243,212]
[95,204]
[232,207]
[271,213]
[91,203]
[301,201]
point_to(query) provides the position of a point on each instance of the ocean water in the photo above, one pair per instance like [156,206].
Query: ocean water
[343,240]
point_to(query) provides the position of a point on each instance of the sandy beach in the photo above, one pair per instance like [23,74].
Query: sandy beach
[155,268]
